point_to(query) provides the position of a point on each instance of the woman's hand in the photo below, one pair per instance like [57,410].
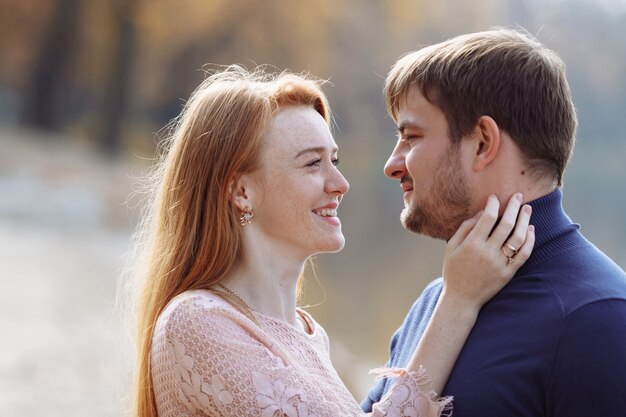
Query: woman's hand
[479,260]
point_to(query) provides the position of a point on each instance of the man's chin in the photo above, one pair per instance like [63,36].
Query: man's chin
[418,224]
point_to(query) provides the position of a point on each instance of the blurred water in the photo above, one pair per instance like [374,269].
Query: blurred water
[61,246]
[63,350]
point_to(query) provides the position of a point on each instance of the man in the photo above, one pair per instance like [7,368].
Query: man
[491,113]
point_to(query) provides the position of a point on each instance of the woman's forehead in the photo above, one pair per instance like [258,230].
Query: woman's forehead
[296,128]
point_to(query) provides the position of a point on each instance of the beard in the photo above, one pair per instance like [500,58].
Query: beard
[446,206]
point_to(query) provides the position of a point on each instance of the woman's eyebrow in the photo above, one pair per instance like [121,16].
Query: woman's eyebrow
[315,149]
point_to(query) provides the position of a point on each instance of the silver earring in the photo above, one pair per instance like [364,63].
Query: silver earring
[246,216]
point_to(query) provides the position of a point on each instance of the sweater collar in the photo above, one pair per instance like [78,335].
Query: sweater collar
[554,230]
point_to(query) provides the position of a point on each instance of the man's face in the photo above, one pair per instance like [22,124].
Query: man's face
[429,168]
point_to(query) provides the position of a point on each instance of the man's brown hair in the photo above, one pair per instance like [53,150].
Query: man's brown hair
[502,73]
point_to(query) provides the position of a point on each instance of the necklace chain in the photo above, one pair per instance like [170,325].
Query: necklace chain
[239,299]
[234,294]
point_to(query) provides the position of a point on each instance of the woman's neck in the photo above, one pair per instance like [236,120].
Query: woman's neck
[267,284]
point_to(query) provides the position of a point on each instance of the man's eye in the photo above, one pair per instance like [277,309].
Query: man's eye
[408,139]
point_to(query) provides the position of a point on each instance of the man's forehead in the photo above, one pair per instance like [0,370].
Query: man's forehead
[412,96]
[410,117]
[414,110]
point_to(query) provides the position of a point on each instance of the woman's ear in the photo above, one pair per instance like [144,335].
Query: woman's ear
[487,136]
[238,192]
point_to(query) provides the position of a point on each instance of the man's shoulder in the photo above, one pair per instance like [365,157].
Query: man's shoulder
[582,276]
[434,285]
[408,334]
[423,307]
[428,298]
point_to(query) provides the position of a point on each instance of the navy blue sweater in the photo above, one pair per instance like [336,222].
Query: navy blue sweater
[551,343]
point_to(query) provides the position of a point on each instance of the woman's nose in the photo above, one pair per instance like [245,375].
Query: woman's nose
[338,183]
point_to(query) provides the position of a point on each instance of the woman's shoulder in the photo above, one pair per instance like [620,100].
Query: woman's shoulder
[199,298]
[200,309]
[196,301]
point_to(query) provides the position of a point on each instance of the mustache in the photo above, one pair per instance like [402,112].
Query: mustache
[406,179]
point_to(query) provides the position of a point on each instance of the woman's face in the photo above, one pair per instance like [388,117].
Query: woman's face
[298,184]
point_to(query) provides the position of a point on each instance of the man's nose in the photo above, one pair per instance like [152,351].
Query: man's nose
[395,168]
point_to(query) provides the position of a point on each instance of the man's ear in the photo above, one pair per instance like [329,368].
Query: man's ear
[486,133]
[238,193]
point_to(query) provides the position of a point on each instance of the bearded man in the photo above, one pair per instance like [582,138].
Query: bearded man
[491,113]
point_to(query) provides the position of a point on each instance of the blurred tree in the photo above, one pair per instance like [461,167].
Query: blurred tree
[282,33]
[118,86]
[50,72]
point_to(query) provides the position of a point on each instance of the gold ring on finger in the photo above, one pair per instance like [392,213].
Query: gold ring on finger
[508,247]
[509,257]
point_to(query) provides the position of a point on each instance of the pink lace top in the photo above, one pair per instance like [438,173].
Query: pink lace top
[210,359]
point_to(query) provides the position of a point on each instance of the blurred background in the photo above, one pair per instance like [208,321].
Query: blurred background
[86,87]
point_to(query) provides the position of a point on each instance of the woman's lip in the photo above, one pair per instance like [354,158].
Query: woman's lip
[332,220]
[327,206]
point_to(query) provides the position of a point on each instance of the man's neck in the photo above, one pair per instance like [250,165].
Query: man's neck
[534,192]
[530,188]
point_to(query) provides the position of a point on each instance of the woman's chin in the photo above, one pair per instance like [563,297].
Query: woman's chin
[334,246]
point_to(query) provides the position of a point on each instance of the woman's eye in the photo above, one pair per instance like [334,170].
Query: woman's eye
[314,163]
[335,161]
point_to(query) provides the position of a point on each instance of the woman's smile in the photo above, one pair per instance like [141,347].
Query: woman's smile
[328,215]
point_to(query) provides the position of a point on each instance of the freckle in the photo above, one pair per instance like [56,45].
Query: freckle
[523,172]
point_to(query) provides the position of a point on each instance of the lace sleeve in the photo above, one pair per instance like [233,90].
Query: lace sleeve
[410,395]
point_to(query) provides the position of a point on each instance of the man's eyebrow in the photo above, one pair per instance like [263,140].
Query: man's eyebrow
[315,149]
[406,124]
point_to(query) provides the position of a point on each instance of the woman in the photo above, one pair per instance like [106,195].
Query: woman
[246,192]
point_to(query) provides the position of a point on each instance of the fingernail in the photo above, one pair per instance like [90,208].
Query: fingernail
[528,209]
[531,228]
[518,196]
